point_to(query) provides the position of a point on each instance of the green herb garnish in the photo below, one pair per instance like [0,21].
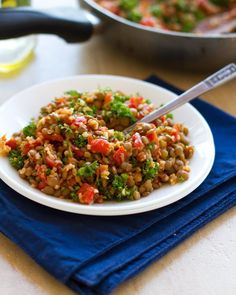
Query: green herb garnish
[65,129]
[150,146]
[128,4]
[94,109]
[122,191]
[16,159]
[120,97]
[74,196]
[48,171]
[150,169]
[74,93]
[126,193]
[188,26]
[103,90]
[182,5]
[133,161]
[72,104]
[156,11]
[30,129]
[91,111]
[119,135]
[199,15]
[119,109]
[134,16]
[80,141]
[181,179]
[88,170]
[221,2]
[119,181]
[170,116]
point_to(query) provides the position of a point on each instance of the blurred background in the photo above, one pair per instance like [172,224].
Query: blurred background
[49,57]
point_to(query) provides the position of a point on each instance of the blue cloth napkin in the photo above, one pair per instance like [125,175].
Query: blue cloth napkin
[93,255]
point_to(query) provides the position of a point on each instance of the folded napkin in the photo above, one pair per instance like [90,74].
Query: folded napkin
[93,255]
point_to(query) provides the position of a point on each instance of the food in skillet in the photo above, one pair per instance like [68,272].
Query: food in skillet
[174,15]
[76,148]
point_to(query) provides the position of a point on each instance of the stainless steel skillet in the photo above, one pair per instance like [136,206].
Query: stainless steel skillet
[184,50]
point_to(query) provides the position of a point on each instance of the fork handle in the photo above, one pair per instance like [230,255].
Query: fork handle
[222,76]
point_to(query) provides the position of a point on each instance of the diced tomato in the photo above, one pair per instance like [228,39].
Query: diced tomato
[31,145]
[135,101]
[108,98]
[50,162]
[148,21]
[41,172]
[137,141]
[120,155]
[54,137]
[41,185]
[77,152]
[163,119]
[153,137]
[11,143]
[78,120]
[100,146]
[90,138]
[86,193]
[27,147]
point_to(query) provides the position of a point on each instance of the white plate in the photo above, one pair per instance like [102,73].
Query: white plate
[17,112]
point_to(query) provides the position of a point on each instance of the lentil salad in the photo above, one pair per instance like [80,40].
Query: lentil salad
[173,15]
[76,149]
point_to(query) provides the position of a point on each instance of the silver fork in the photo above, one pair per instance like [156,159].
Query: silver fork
[220,77]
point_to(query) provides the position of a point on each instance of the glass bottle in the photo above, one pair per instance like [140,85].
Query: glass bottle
[15,53]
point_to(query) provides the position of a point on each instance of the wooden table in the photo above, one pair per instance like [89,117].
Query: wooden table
[203,264]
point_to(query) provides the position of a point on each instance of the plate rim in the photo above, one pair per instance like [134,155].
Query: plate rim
[68,206]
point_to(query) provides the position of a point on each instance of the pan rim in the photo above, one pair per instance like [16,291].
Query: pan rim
[124,21]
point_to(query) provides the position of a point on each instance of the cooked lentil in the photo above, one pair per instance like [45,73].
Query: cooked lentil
[78,152]
[173,15]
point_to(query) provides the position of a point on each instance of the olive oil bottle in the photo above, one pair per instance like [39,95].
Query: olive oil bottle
[15,53]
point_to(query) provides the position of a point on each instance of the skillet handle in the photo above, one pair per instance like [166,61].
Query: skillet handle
[70,24]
